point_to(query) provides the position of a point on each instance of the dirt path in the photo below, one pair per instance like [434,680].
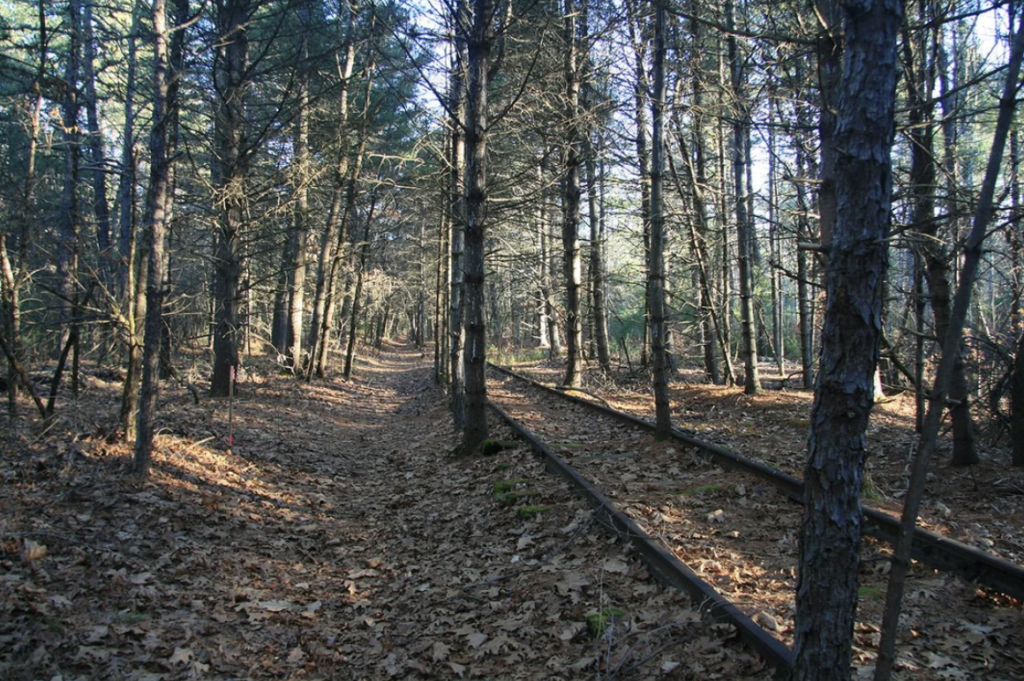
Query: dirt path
[337,539]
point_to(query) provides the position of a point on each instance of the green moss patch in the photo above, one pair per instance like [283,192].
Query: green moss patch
[490,446]
[527,512]
[599,622]
[703,489]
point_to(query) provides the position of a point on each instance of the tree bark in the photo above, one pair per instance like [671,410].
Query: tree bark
[744,220]
[126,184]
[939,274]
[656,256]
[97,157]
[481,40]
[230,165]
[595,197]
[457,213]
[333,235]
[357,293]
[158,199]
[320,354]
[571,260]
[296,267]
[804,287]
[830,56]
[637,34]
[831,529]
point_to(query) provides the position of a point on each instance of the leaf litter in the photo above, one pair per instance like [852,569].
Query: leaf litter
[337,539]
[742,537]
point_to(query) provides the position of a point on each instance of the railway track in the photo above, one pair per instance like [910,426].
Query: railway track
[725,538]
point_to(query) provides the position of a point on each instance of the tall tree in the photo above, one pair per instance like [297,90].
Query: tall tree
[938,270]
[596,213]
[571,260]
[830,535]
[97,156]
[334,236]
[950,357]
[14,260]
[231,79]
[456,212]
[656,255]
[637,25]
[744,219]
[158,199]
[479,44]
[126,182]
[296,284]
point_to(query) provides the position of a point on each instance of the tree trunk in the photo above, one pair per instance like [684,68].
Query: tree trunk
[158,199]
[544,331]
[357,294]
[940,281]
[637,34]
[656,256]
[1017,404]
[571,261]
[830,56]
[300,216]
[320,354]
[126,184]
[97,158]
[831,529]
[230,165]
[744,220]
[804,285]
[595,197]
[440,302]
[710,328]
[331,237]
[13,272]
[950,357]
[457,213]
[480,42]
[67,244]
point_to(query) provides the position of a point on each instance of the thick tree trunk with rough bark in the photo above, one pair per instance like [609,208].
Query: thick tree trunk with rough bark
[831,529]
[231,75]
[480,42]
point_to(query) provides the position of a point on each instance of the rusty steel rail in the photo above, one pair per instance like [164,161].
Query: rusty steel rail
[932,549]
[665,567]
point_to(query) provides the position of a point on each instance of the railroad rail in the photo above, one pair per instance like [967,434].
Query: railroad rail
[666,568]
[932,549]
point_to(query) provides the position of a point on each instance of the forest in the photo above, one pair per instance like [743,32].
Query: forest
[281,281]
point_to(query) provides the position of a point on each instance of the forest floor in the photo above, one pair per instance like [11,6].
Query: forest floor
[339,538]
[980,505]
